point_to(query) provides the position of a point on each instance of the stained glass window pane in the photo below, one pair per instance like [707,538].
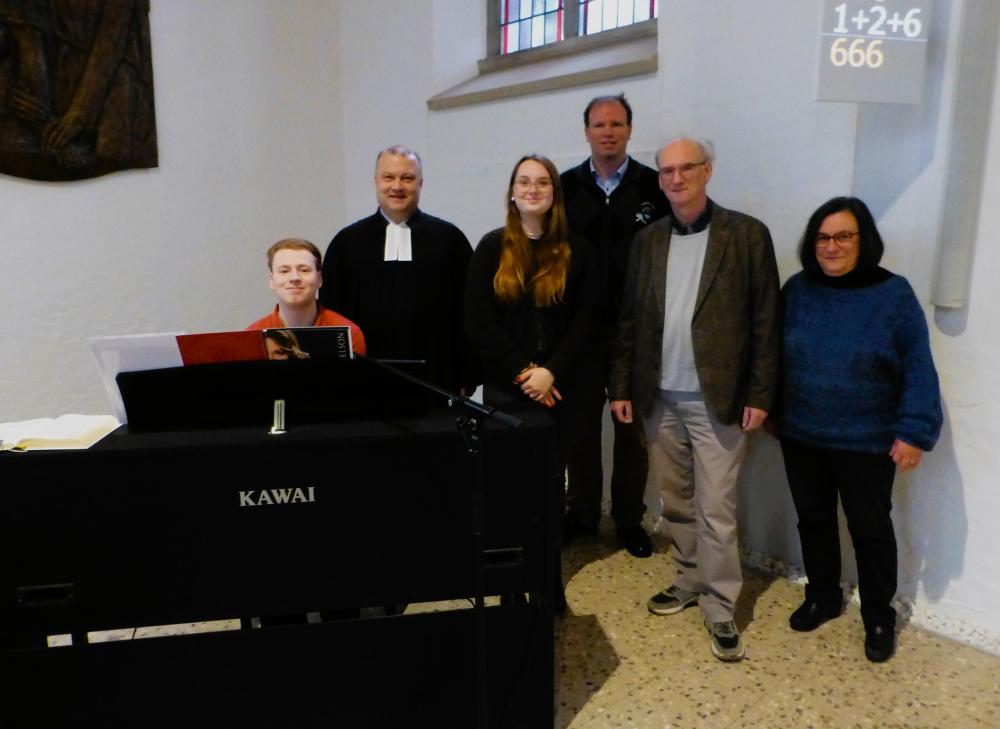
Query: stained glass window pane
[525,8]
[537,31]
[609,17]
[525,31]
[538,7]
[551,5]
[626,13]
[513,38]
[598,15]
[551,27]
[594,11]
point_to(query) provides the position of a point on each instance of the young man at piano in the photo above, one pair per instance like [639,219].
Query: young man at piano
[294,274]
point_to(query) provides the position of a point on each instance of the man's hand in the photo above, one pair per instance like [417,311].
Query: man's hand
[753,418]
[904,455]
[622,410]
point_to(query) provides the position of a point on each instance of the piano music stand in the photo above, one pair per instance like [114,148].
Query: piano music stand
[242,394]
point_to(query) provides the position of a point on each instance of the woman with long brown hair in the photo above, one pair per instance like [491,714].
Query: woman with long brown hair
[531,300]
[531,291]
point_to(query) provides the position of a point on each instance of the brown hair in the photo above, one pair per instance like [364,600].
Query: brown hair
[294,244]
[287,343]
[619,99]
[540,266]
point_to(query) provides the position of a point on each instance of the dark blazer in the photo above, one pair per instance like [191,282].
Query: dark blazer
[736,328]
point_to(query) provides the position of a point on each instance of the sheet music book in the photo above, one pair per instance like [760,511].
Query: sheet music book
[318,343]
[67,432]
[281,343]
[141,352]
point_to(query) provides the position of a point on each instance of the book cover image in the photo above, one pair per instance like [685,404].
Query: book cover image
[319,343]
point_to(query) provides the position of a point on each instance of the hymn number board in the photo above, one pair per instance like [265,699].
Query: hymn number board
[873,50]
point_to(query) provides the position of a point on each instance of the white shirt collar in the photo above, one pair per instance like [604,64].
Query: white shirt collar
[398,241]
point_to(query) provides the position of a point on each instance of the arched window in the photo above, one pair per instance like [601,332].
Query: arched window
[525,24]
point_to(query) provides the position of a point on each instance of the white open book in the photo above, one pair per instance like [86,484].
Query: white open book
[63,433]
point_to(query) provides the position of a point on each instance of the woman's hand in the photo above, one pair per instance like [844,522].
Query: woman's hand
[904,455]
[539,384]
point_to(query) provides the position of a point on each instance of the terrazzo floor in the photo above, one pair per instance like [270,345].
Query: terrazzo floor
[617,665]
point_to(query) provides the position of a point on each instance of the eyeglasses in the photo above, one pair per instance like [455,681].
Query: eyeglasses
[685,169]
[842,238]
[542,184]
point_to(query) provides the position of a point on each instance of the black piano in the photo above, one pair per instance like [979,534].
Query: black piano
[180,526]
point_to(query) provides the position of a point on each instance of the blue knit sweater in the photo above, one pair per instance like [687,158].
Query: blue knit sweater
[857,369]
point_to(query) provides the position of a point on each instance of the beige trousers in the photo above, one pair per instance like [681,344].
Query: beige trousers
[694,463]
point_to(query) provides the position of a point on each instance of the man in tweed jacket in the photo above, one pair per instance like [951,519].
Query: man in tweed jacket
[696,358]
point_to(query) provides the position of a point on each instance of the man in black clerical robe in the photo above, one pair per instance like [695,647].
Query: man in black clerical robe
[400,275]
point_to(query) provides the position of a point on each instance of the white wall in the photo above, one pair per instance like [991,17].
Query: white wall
[949,513]
[249,132]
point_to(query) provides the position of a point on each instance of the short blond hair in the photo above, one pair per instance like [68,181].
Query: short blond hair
[399,150]
[294,244]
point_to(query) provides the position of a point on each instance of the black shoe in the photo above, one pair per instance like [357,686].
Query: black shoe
[573,528]
[880,642]
[811,614]
[635,540]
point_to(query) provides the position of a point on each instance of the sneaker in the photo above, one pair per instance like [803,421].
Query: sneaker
[671,600]
[726,643]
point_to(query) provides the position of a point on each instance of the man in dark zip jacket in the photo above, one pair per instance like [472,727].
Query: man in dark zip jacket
[609,198]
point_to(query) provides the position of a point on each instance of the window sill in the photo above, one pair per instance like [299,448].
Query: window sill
[613,54]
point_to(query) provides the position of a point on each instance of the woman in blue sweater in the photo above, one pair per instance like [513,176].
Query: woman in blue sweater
[860,399]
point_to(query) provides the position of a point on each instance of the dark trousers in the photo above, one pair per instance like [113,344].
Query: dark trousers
[864,481]
[629,464]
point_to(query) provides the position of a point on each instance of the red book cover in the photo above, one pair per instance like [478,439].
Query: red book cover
[241,346]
